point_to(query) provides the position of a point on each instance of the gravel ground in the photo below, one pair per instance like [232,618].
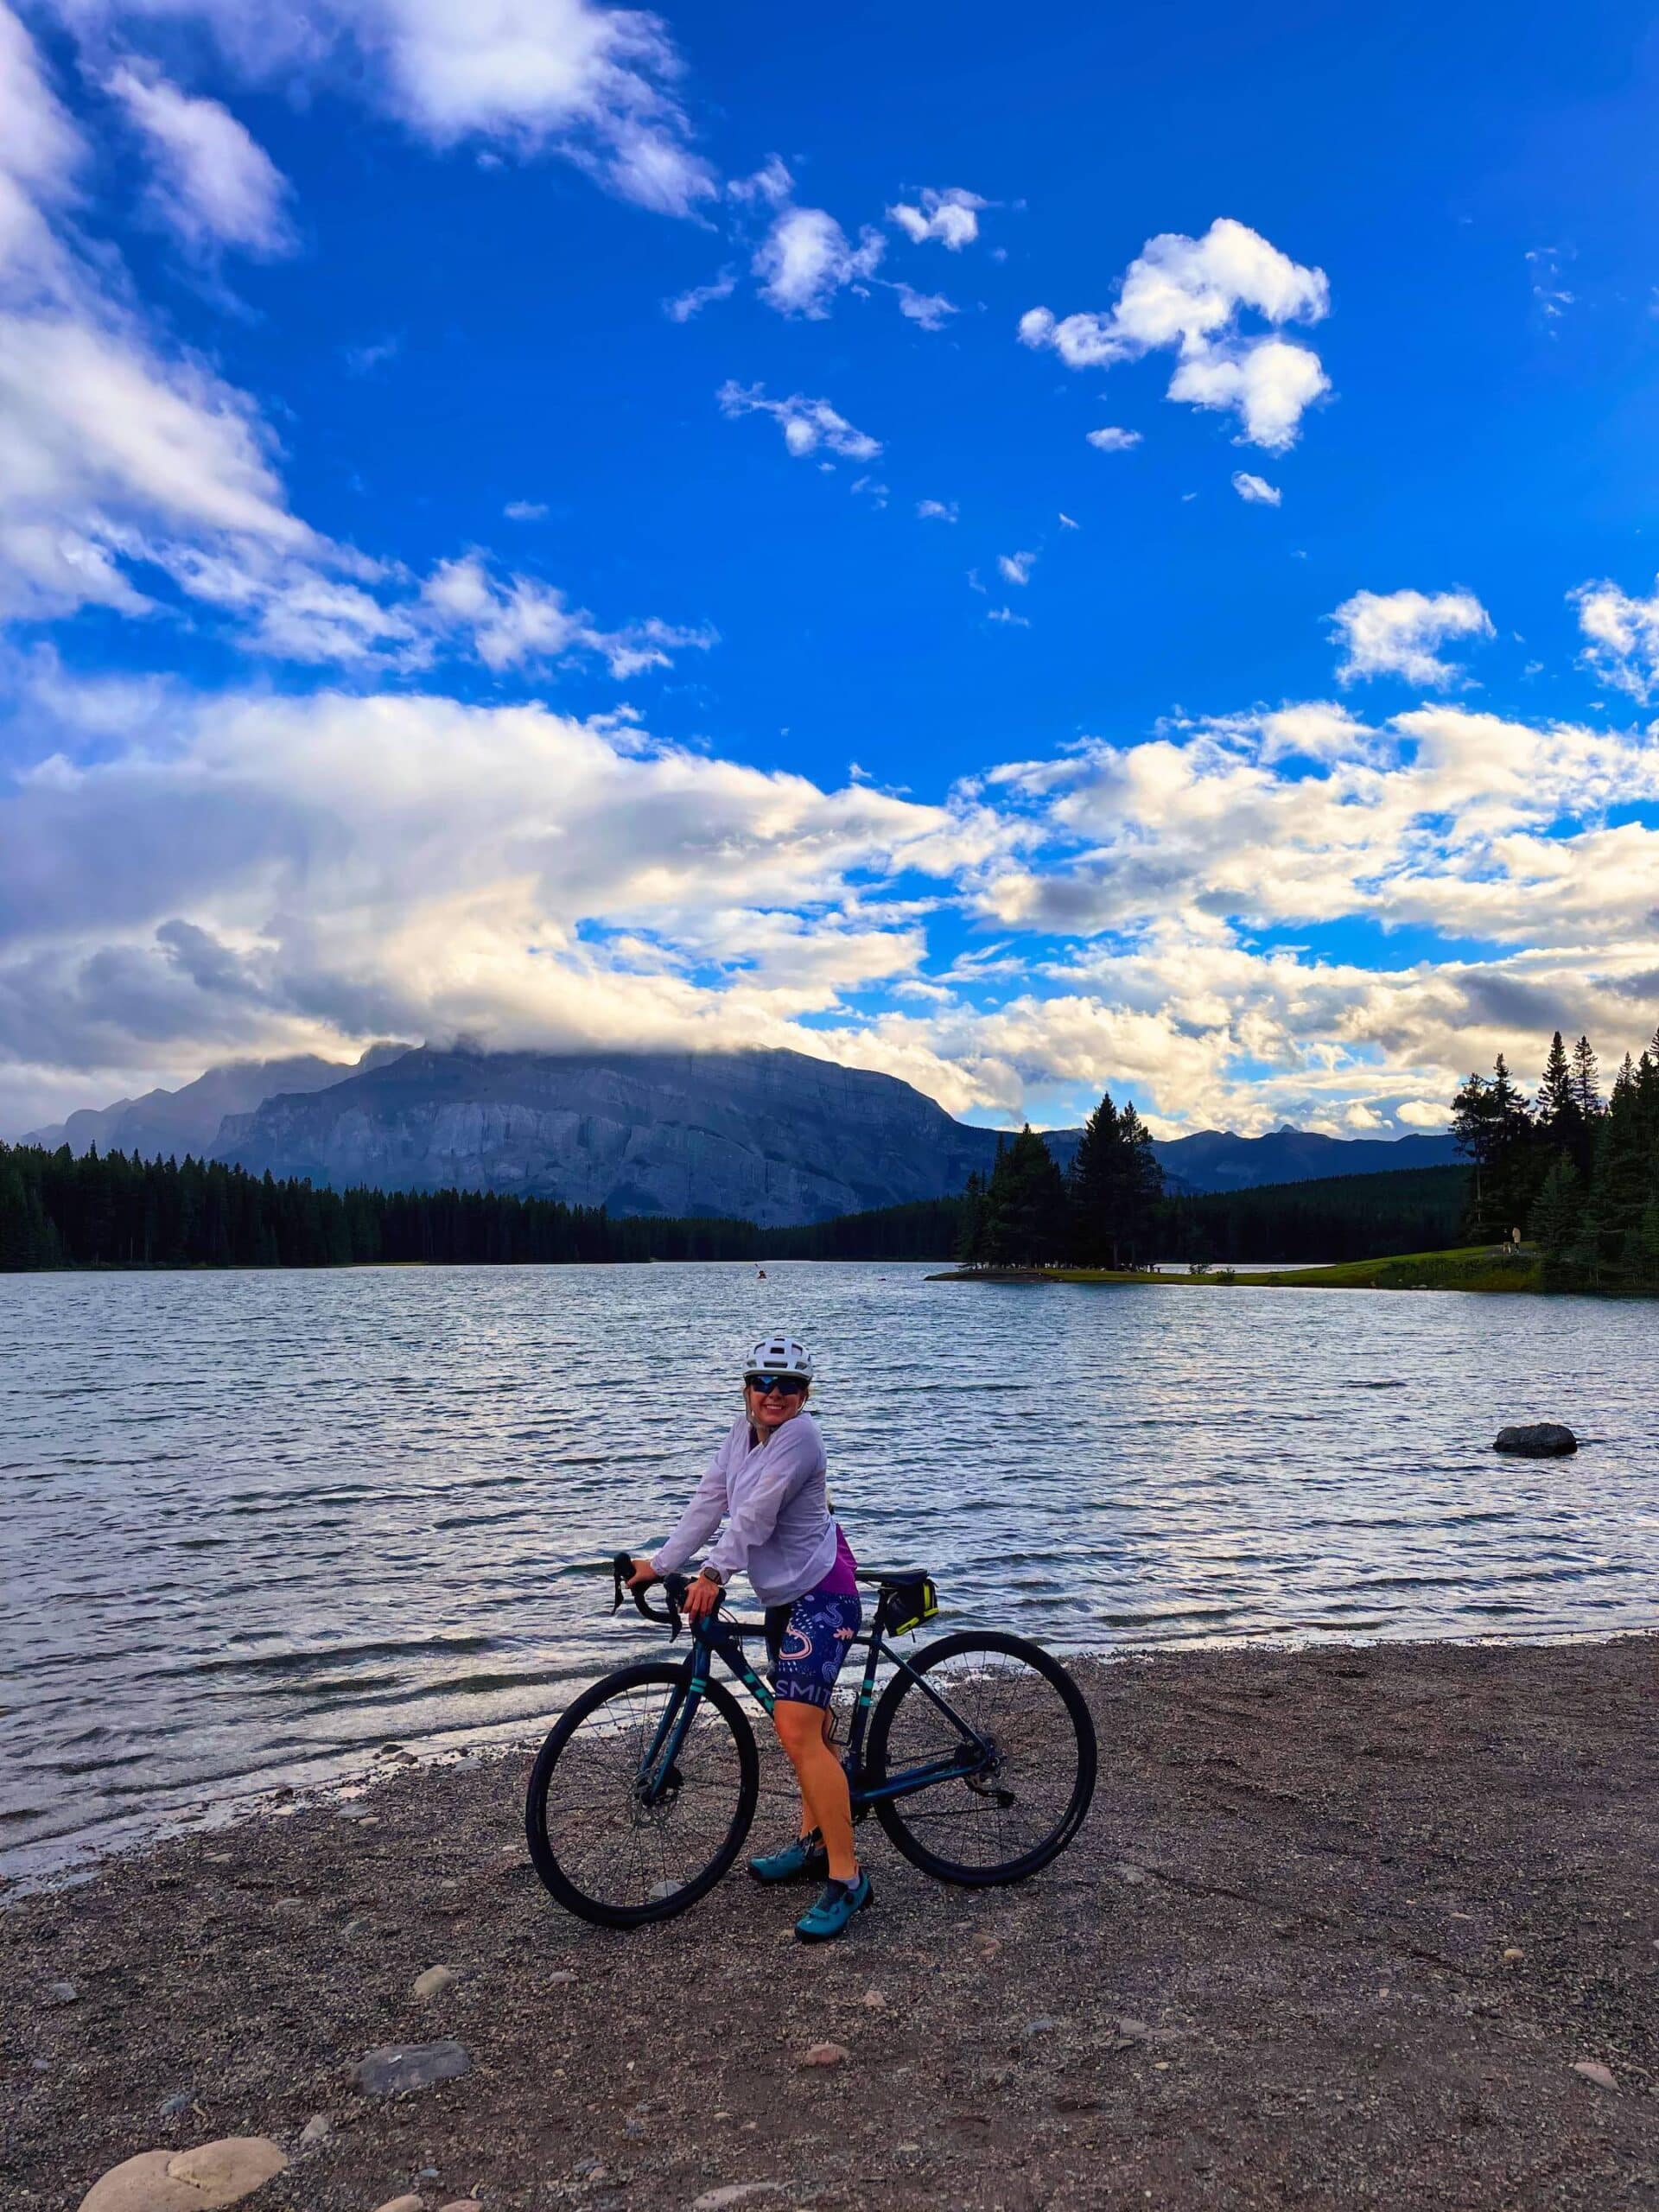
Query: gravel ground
[1339,1929]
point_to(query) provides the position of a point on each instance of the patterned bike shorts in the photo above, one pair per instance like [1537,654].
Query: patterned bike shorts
[809,1641]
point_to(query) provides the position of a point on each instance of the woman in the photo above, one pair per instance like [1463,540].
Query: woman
[767,1485]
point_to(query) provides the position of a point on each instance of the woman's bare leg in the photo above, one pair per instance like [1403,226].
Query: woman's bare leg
[802,1732]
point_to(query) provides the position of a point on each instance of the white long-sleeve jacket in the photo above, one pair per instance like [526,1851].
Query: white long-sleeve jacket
[772,1499]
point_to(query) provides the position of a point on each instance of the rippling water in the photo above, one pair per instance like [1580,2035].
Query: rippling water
[258,1526]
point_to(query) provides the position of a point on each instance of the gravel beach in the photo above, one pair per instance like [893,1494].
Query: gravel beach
[1346,1927]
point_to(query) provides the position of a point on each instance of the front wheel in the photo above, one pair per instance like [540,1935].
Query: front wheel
[1026,1791]
[602,1849]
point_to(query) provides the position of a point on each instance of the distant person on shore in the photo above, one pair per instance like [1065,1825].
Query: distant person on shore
[767,1485]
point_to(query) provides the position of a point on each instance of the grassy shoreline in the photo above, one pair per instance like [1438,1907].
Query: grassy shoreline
[1476,1268]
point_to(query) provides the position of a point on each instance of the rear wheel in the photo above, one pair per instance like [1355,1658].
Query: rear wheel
[1030,1788]
[600,1849]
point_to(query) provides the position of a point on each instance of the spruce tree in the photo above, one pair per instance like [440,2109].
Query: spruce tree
[1098,1189]
[1143,1186]
[971,1243]
[1558,1211]
[1027,1215]
[1586,1088]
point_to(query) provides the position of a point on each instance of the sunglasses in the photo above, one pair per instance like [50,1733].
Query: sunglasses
[764,1385]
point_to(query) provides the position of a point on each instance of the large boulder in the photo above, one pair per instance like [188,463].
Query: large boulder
[202,2180]
[1538,1439]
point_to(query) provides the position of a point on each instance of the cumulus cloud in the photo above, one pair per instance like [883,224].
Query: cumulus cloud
[597,86]
[808,425]
[1188,295]
[935,510]
[805,258]
[524,622]
[951,217]
[1255,490]
[1111,439]
[1016,568]
[214,184]
[1622,637]
[267,869]
[1398,633]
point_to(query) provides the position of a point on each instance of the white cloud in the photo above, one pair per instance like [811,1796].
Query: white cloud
[1016,568]
[931,309]
[597,85]
[252,872]
[525,509]
[214,184]
[807,424]
[805,258]
[1006,614]
[952,217]
[525,622]
[1113,440]
[769,187]
[363,360]
[935,510]
[686,304]
[1397,633]
[1255,490]
[1623,637]
[1187,295]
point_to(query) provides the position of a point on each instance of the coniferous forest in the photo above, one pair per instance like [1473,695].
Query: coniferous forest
[1574,1169]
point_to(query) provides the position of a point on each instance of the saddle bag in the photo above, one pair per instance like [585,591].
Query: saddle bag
[909,1603]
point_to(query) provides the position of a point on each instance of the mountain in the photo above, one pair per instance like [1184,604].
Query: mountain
[164,1124]
[1214,1159]
[772,1137]
[776,1137]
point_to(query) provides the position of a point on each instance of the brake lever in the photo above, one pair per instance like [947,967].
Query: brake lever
[621,1568]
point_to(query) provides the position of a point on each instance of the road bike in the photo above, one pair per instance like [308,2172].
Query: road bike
[978,1758]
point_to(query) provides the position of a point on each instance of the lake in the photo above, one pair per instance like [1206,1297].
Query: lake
[258,1527]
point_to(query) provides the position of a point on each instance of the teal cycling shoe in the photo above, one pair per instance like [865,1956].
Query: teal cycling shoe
[801,1861]
[833,1913]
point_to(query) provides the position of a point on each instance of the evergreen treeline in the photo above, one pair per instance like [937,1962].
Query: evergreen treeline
[1575,1172]
[1338,1217]
[1106,1212]
[59,1212]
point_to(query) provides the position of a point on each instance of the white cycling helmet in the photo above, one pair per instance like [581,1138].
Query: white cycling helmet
[779,1356]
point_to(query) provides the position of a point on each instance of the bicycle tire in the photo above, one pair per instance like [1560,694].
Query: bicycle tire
[560,1880]
[962,1801]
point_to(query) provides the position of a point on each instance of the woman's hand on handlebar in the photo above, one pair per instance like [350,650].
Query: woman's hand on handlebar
[643,1575]
[703,1597]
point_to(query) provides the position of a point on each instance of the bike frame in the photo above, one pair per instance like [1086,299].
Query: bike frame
[723,1638]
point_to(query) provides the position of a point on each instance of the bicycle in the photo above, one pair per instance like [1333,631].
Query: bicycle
[980,1763]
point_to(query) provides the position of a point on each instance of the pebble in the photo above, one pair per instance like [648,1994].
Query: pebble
[434,1982]
[1594,2070]
[1043,2024]
[559,1980]
[875,2000]
[1513,1952]
[62,1992]
[734,2192]
[405,2203]
[1126,1871]
[395,2068]
[318,2129]
[462,2204]
[987,1945]
[825,2054]
[179,2101]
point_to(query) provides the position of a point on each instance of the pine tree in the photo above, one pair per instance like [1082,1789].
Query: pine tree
[1027,1215]
[1143,1186]
[1558,1211]
[1098,1189]
[971,1243]
[1586,1089]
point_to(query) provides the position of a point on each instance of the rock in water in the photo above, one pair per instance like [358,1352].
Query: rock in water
[1537,1440]
[202,2180]
[397,2067]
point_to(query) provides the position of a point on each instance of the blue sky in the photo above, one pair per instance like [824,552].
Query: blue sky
[567,526]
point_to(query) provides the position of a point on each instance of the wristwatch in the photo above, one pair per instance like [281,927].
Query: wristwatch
[712,1575]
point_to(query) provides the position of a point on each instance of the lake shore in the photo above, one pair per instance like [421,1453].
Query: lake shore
[1342,1926]
[1479,1268]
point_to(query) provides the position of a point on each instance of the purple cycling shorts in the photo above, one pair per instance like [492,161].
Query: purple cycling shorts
[809,1642]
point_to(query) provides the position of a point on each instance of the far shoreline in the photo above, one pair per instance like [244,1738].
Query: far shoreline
[1485,1270]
